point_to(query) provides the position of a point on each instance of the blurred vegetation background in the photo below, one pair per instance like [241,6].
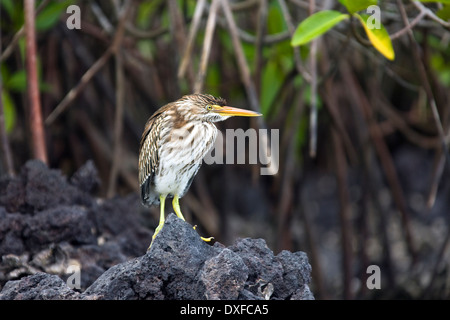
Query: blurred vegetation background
[364,165]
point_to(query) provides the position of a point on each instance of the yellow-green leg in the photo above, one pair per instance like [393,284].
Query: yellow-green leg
[176,208]
[162,201]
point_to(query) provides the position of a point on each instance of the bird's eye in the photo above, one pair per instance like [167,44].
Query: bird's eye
[209,107]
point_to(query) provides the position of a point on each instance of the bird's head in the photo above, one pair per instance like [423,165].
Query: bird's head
[205,107]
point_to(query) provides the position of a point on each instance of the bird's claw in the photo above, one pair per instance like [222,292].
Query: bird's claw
[203,238]
[157,230]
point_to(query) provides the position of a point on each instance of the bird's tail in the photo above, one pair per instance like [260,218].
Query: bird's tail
[148,196]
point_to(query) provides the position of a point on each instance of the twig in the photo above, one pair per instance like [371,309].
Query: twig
[383,154]
[118,125]
[178,32]
[373,57]
[239,52]
[104,154]
[286,193]
[101,17]
[364,41]
[120,101]
[301,4]
[243,5]
[438,170]
[260,31]
[430,14]
[313,110]
[186,59]
[344,213]
[75,91]
[424,77]
[268,39]
[372,176]
[87,76]
[207,44]
[244,73]
[145,34]
[9,49]
[435,113]
[332,105]
[153,32]
[36,126]
[298,61]
[399,122]
[406,29]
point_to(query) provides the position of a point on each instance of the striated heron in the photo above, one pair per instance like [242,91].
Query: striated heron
[175,140]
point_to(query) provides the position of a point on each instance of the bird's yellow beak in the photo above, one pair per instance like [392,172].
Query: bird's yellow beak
[230,111]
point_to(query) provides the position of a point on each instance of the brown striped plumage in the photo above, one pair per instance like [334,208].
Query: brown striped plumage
[164,133]
[175,140]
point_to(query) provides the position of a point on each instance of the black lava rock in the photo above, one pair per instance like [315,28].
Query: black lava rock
[63,223]
[37,188]
[40,286]
[50,224]
[86,178]
[180,265]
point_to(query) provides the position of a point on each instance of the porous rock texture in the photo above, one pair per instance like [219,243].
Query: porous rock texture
[41,235]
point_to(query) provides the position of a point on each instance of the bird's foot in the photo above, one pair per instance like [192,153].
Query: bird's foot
[154,234]
[153,238]
[203,238]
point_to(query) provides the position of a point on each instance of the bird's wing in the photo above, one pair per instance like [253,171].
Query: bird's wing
[149,156]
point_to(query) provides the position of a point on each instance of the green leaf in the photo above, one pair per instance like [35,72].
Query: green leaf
[379,37]
[275,19]
[50,15]
[14,9]
[8,5]
[357,5]
[17,81]
[444,13]
[144,11]
[213,79]
[272,79]
[316,25]
[9,111]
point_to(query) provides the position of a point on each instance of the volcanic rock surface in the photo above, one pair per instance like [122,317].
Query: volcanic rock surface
[49,225]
